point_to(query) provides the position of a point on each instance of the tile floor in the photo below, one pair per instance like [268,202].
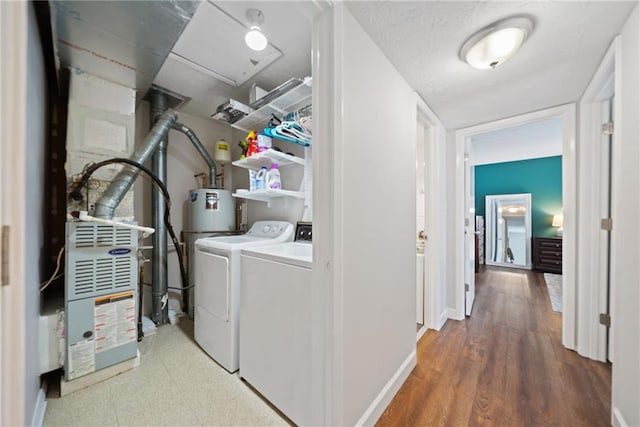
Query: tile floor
[176,384]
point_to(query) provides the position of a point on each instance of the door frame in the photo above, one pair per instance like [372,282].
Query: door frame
[13,87]
[567,113]
[592,336]
[435,313]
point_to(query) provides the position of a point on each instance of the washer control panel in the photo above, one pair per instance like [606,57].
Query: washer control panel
[269,229]
[304,232]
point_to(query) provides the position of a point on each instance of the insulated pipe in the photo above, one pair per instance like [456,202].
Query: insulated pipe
[113,195]
[146,231]
[159,275]
[196,143]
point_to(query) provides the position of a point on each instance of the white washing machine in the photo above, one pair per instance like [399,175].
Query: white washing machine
[217,287]
[275,337]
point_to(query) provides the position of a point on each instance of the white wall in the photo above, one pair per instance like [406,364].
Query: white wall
[625,236]
[100,126]
[365,213]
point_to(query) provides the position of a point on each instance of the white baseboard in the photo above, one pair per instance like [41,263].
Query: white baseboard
[38,412]
[617,420]
[380,403]
[444,316]
[452,313]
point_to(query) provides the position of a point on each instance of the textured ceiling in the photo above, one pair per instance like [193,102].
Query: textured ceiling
[553,67]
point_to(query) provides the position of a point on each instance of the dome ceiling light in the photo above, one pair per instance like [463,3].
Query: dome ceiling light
[254,38]
[496,43]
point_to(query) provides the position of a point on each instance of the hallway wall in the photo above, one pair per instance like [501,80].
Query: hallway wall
[625,236]
[365,210]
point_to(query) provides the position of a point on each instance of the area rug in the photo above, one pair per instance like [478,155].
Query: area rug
[554,286]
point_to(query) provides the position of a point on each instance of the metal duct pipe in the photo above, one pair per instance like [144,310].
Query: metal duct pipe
[113,195]
[159,275]
[196,143]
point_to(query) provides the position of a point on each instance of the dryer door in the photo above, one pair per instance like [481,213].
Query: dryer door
[212,284]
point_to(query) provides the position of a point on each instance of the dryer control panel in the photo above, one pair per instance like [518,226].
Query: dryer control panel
[270,229]
[303,232]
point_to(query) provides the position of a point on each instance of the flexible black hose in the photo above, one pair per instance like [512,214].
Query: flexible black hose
[76,194]
[140,290]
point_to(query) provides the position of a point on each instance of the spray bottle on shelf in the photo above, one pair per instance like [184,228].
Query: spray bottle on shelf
[273,178]
[261,177]
[252,139]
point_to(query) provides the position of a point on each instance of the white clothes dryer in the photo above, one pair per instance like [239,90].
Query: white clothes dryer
[217,287]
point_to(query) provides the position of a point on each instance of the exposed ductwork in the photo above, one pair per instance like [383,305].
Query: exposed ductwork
[154,144]
[113,195]
[196,143]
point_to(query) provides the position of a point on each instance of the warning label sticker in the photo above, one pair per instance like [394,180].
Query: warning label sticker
[82,358]
[115,320]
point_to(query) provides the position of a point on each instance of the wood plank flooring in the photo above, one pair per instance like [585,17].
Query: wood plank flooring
[503,366]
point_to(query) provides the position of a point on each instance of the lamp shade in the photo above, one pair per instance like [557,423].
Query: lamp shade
[558,221]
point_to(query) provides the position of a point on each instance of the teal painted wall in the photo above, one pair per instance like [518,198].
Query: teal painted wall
[540,177]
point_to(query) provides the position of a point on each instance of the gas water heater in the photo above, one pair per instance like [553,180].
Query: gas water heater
[211,210]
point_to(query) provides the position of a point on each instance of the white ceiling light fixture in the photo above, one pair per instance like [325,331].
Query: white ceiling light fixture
[254,38]
[496,43]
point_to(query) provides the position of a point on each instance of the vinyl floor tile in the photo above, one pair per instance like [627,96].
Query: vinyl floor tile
[175,384]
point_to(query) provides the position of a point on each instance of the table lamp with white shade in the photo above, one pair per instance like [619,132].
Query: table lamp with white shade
[558,221]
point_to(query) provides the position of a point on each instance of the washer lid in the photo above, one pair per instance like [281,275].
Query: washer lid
[231,242]
[261,233]
[293,253]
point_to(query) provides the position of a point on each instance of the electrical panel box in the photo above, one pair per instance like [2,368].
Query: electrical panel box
[100,297]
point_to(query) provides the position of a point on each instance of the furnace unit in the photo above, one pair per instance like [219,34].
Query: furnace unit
[100,297]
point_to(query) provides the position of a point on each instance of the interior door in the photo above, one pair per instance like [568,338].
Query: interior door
[421,186]
[469,232]
[12,175]
[606,148]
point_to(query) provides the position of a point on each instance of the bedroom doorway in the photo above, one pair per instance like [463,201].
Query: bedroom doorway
[466,206]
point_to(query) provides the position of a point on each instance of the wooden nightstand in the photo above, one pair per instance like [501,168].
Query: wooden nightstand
[547,254]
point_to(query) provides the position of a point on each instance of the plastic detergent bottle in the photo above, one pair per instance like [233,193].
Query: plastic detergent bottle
[261,177]
[273,177]
[252,180]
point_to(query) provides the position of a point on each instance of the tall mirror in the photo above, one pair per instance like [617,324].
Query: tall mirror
[508,228]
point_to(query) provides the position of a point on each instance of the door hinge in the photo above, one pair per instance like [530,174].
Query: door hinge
[607,128]
[466,287]
[4,280]
[605,320]
[606,224]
